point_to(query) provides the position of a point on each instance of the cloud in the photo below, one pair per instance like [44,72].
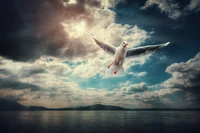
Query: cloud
[159,98]
[30,75]
[45,88]
[45,36]
[110,3]
[51,29]
[54,31]
[190,96]
[172,8]
[185,76]
[37,27]
[38,31]
[132,88]
[140,95]
[141,74]
[10,83]
[194,5]
[166,6]
[54,86]
[114,34]
[36,65]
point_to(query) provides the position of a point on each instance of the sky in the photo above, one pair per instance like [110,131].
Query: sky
[48,57]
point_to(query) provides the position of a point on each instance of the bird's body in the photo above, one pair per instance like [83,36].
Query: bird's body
[121,53]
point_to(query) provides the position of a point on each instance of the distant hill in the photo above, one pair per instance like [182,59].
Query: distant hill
[96,107]
[8,105]
[32,108]
[11,105]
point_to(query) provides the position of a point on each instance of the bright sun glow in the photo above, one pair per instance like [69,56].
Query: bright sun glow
[80,27]
[72,2]
[75,29]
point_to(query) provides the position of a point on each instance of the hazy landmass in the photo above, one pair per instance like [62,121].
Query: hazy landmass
[10,105]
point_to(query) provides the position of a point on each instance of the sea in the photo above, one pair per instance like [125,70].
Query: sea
[100,122]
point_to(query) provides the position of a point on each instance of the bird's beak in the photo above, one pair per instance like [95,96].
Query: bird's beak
[126,44]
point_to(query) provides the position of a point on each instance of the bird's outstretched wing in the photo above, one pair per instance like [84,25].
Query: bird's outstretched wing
[106,47]
[135,52]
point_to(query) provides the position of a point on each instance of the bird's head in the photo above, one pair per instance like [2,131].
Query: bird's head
[124,44]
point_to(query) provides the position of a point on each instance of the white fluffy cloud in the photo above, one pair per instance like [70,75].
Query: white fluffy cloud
[172,8]
[185,77]
[57,88]
[185,74]
[133,88]
[109,3]
[141,74]
[194,5]
[167,6]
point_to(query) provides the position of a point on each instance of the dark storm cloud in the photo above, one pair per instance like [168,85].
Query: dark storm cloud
[25,70]
[159,98]
[9,103]
[9,78]
[31,71]
[3,71]
[154,101]
[186,76]
[33,28]
[6,83]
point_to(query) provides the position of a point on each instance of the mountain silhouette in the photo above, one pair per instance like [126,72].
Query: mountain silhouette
[97,107]
[8,105]
[11,105]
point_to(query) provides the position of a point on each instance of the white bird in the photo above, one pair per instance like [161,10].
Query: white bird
[121,52]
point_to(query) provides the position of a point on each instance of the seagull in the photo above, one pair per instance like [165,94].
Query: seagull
[122,52]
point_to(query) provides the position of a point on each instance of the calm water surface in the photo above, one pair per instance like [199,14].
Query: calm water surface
[100,122]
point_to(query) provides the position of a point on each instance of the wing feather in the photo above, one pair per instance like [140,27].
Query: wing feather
[135,52]
[106,47]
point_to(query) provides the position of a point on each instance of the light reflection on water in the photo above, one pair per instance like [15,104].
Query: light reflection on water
[99,121]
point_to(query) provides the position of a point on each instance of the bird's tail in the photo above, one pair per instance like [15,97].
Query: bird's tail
[119,70]
[109,72]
